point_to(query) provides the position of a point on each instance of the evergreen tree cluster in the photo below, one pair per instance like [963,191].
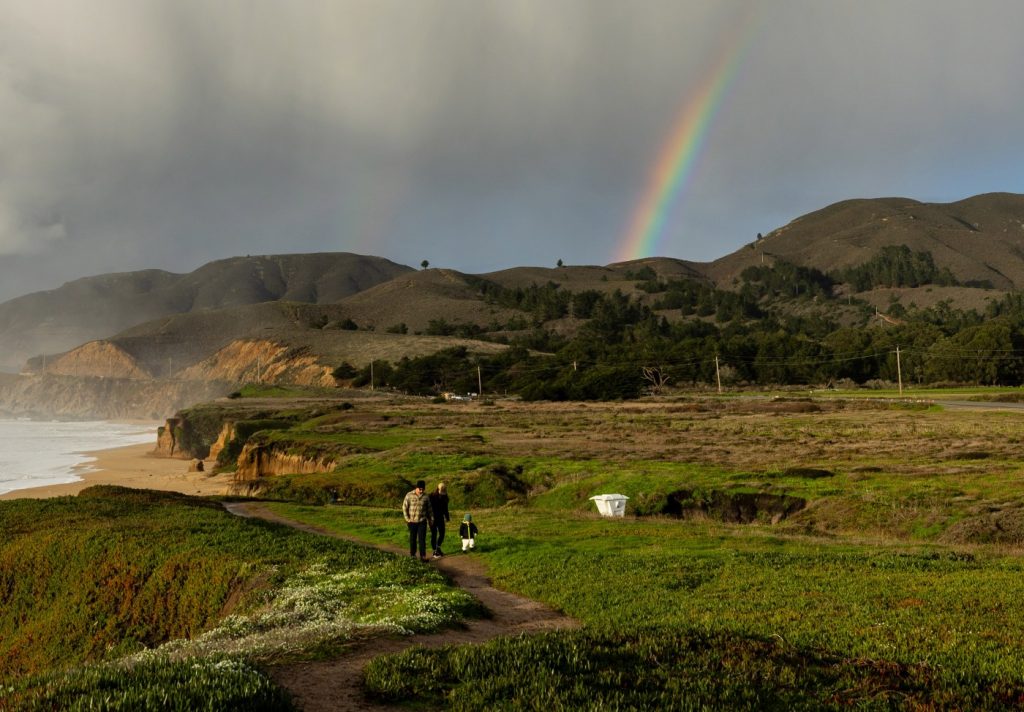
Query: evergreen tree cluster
[784,279]
[755,339]
[896,266]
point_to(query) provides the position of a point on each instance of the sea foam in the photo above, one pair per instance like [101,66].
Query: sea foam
[37,453]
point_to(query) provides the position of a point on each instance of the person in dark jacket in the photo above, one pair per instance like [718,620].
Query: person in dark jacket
[416,510]
[467,531]
[439,508]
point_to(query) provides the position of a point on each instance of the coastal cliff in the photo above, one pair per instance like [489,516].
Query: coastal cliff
[263,361]
[228,433]
[221,430]
[264,459]
[256,438]
[267,460]
[102,380]
[83,397]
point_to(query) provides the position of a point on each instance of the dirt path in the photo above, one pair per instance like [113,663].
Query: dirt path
[337,684]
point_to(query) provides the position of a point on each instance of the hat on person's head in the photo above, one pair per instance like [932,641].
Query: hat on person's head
[468,517]
[420,484]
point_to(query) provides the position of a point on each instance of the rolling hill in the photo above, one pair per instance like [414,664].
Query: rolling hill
[96,307]
[389,320]
[980,239]
[190,345]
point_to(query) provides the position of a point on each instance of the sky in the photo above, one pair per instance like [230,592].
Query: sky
[482,134]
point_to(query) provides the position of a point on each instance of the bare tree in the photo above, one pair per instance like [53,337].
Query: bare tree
[656,376]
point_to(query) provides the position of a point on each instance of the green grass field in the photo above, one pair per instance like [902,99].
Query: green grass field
[895,584]
[797,621]
[898,586]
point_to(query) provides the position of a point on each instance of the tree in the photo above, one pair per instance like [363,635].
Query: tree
[439,327]
[425,263]
[982,354]
[656,376]
[559,262]
[375,374]
[446,370]
[345,371]
[896,266]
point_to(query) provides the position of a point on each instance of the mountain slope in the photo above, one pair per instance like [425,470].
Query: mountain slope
[96,307]
[980,239]
[187,346]
[417,299]
[580,278]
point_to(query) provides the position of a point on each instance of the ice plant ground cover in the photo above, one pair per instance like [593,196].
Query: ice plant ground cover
[183,686]
[122,599]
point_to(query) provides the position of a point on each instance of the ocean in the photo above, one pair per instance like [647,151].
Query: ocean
[37,453]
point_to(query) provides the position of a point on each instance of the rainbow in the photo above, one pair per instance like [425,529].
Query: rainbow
[674,167]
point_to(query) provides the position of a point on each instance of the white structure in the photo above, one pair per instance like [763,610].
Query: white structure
[610,505]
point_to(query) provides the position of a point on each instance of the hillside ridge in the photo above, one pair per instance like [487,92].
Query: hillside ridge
[97,307]
[979,239]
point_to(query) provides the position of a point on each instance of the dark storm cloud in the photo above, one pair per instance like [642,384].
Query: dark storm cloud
[478,135]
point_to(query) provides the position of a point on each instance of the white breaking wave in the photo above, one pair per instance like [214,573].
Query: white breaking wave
[37,454]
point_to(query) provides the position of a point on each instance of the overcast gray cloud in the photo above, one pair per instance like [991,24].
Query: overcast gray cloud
[478,135]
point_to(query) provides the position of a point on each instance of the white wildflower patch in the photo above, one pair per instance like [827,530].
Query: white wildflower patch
[422,608]
[320,606]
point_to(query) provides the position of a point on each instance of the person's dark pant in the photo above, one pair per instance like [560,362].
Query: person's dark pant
[417,535]
[436,535]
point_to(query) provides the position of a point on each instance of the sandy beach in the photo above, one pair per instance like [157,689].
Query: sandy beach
[133,466]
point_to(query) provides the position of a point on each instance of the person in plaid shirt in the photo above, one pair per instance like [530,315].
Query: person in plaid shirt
[416,508]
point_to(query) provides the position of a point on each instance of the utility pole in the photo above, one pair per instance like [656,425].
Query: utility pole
[371,370]
[479,382]
[899,371]
[718,374]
